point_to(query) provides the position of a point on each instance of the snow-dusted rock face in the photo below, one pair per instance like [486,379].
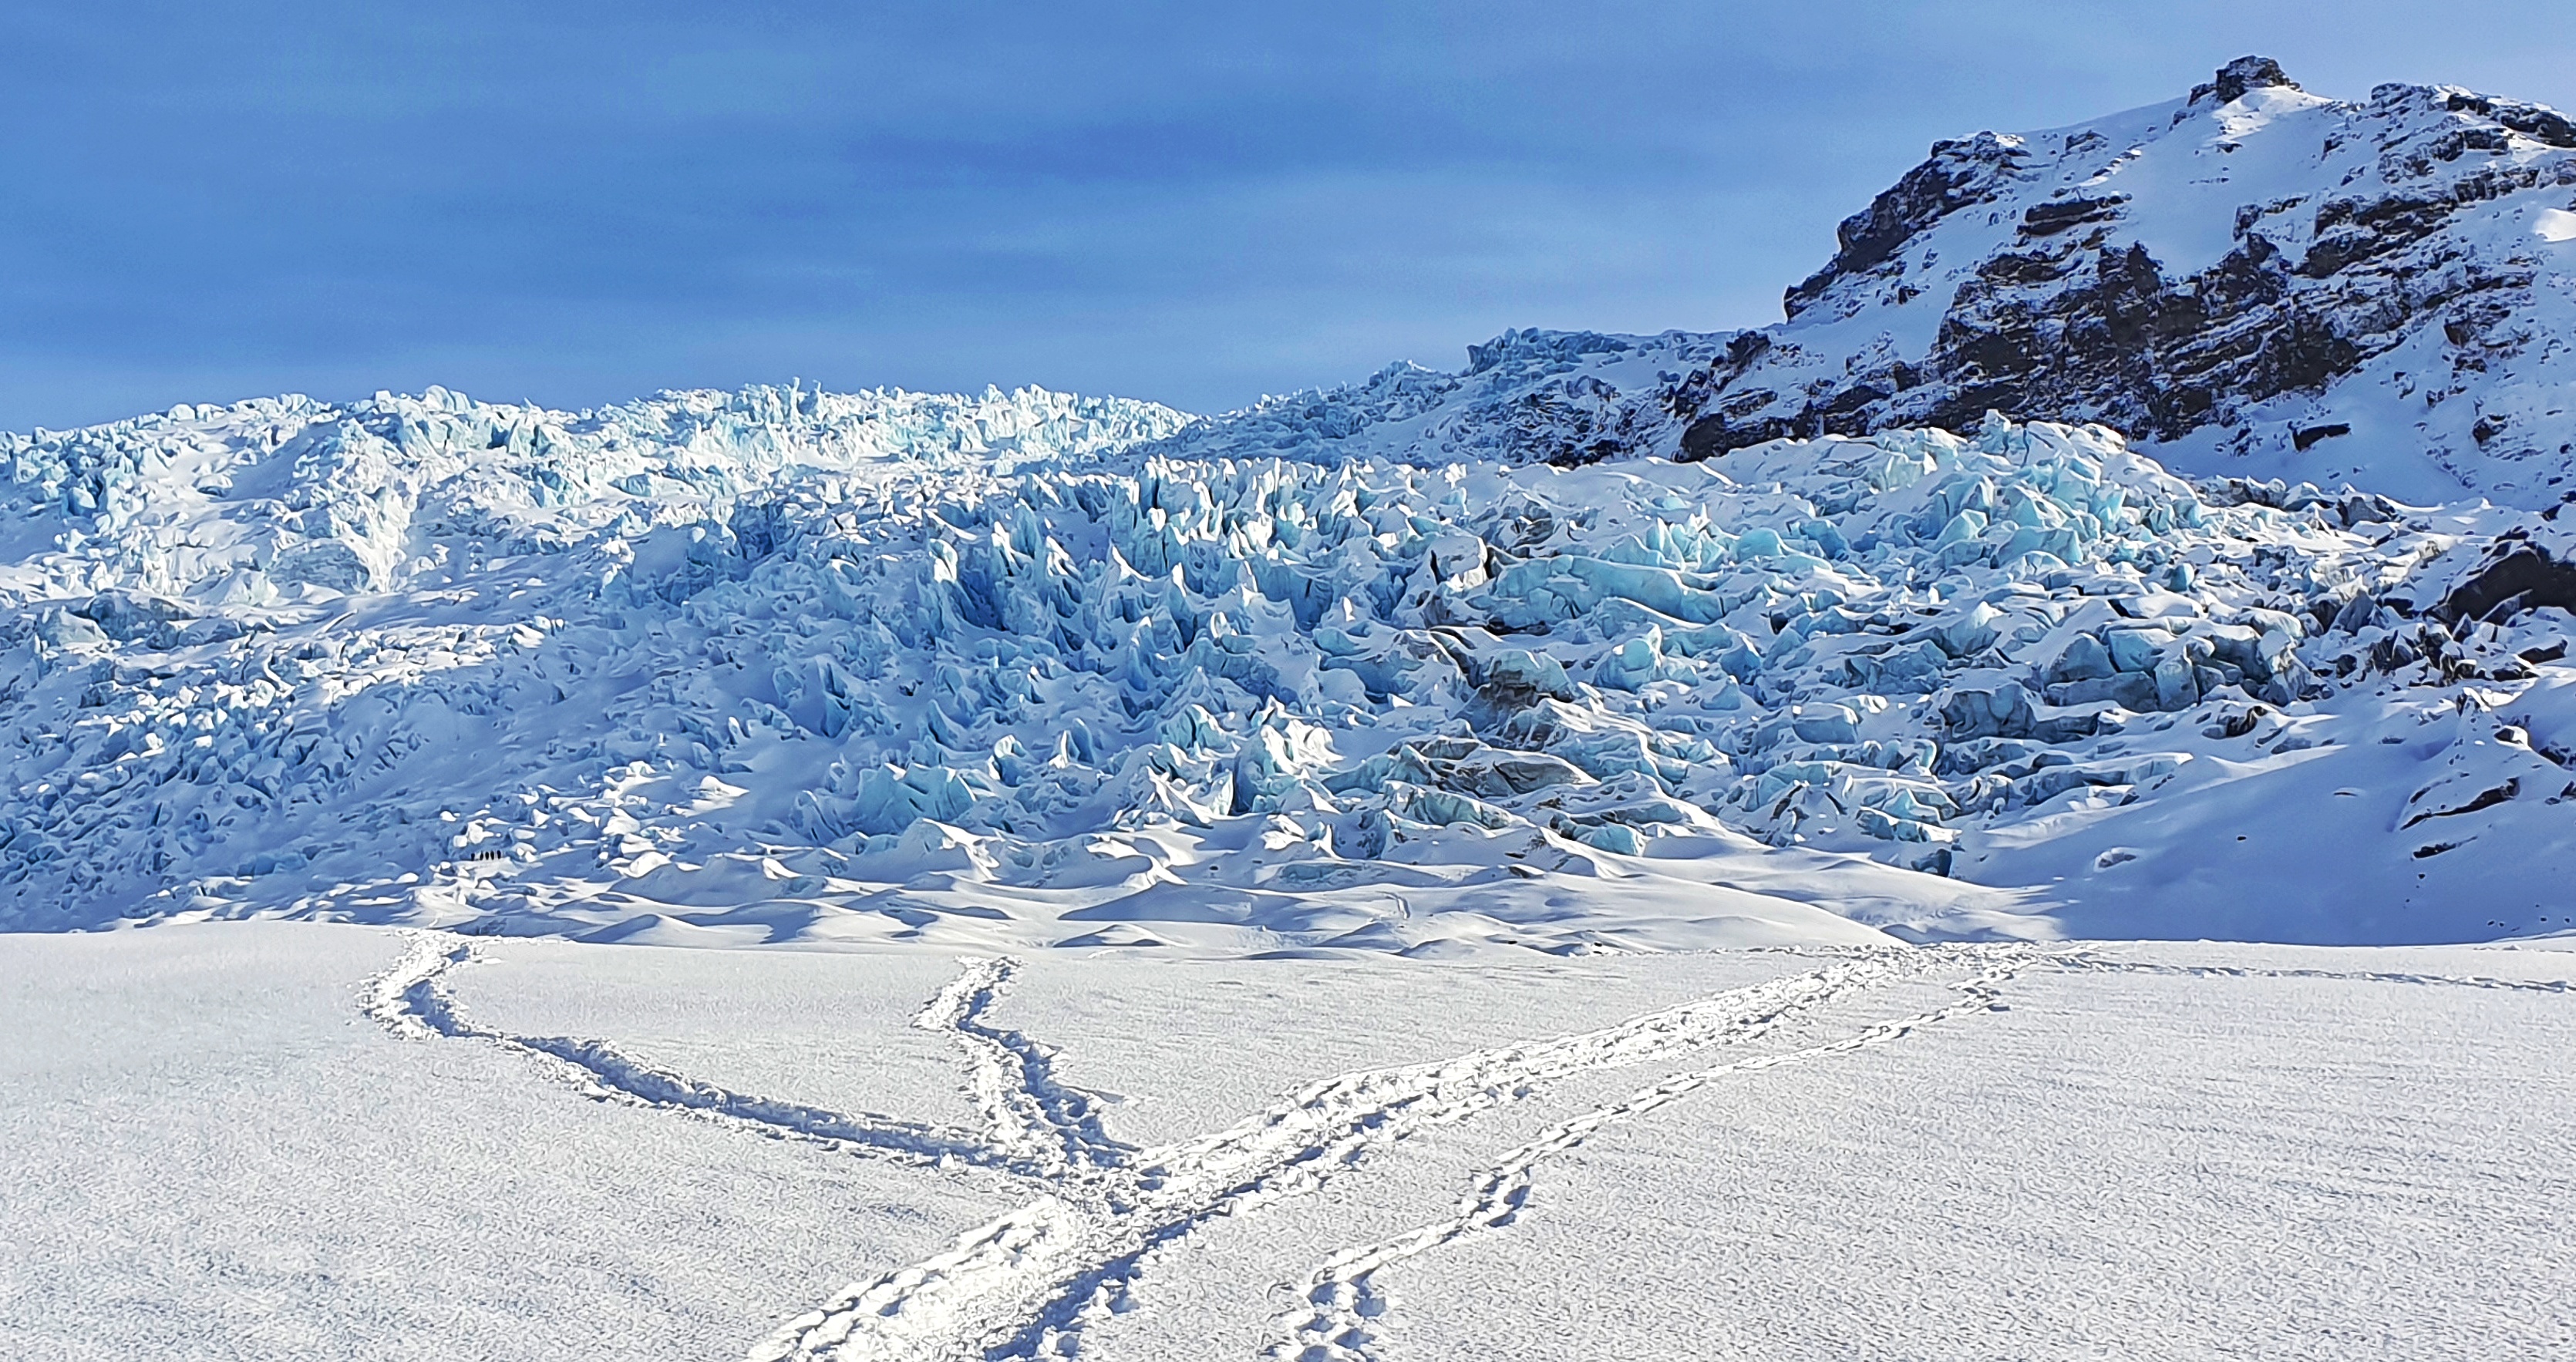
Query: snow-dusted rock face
[793,665]
[2253,280]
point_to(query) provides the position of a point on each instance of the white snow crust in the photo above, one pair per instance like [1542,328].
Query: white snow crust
[263,1139]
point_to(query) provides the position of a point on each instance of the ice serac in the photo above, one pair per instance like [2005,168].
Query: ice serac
[1028,669]
[2253,280]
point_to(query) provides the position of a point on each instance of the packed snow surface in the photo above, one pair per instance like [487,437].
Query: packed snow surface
[1027,670]
[264,1139]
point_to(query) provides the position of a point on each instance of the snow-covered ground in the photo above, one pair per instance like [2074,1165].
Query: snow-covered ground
[262,1139]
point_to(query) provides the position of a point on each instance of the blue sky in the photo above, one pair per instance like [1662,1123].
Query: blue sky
[576,201]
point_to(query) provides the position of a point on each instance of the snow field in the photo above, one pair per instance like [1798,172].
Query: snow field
[1948,1151]
[778,1023]
[214,1154]
[2212,1167]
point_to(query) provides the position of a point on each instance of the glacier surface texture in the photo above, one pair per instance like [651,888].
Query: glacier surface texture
[1033,669]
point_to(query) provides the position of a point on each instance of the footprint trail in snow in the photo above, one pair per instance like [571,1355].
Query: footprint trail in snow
[1344,1304]
[411,1000]
[1033,1281]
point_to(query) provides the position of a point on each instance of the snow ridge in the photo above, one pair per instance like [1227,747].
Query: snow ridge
[1562,397]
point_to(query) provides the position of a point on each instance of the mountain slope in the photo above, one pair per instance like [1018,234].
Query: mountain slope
[1558,397]
[2253,280]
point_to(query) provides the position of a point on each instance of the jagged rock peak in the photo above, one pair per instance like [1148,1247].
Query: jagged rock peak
[1960,173]
[2239,76]
[2253,280]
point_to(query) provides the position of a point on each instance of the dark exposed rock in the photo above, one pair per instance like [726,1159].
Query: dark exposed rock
[2531,120]
[1712,433]
[1958,174]
[2125,345]
[2516,578]
[2048,219]
[2239,76]
[2484,799]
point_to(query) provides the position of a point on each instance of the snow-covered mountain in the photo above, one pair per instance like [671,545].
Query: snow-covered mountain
[1558,397]
[2252,280]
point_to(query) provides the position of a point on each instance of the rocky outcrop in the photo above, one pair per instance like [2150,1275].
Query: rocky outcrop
[1960,174]
[2254,279]
[2240,78]
[2252,282]
[2516,576]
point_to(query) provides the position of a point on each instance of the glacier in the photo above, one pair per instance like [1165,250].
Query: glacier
[1599,642]
[1353,669]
